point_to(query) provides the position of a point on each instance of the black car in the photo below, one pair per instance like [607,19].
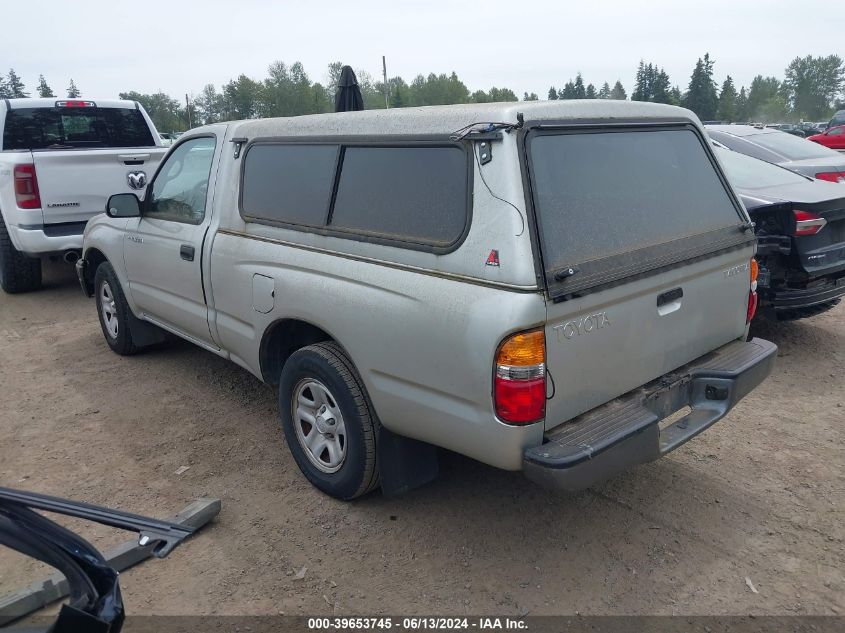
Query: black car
[800,227]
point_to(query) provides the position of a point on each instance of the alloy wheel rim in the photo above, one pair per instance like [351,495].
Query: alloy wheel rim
[319,425]
[108,309]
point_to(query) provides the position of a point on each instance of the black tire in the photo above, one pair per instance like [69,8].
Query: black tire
[328,364]
[18,273]
[116,332]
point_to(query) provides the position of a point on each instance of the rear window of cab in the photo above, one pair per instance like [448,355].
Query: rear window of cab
[415,196]
[71,127]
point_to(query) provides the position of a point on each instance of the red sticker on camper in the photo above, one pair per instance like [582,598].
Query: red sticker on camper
[493,258]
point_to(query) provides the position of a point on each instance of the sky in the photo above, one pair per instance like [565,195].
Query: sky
[111,46]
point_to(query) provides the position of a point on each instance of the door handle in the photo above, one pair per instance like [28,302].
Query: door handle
[670,296]
[187,252]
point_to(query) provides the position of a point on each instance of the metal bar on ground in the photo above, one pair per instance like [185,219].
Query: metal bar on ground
[54,587]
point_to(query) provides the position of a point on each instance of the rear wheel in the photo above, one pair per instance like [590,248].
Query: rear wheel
[113,311]
[18,273]
[328,421]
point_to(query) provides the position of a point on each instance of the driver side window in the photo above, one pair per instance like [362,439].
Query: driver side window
[180,189]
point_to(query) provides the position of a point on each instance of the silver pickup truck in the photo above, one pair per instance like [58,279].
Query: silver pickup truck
[538,286]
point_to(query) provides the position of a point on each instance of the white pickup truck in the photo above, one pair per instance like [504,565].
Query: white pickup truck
[60,159]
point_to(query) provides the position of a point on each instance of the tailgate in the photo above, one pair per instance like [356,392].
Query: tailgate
[645,255]
[76,183]
[609,342]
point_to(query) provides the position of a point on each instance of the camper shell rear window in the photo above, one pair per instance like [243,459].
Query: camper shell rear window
[611,203]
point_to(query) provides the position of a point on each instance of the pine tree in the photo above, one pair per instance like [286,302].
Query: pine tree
[591,92]
[641,88]
[742,105]
[604,91]
[14,86]
[618,93]
[553,96]
[568,91]
[651,84]
[727,101]
[701,96]
[579,91]
[530,96]
[4,89]
[43,89]
[675,96]
[72,91]
[397,99]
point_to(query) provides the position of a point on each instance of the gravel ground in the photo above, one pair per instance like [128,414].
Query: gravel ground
[760,496]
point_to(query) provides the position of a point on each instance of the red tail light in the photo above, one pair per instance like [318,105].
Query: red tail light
[752,293]
[519,388]
[832,176]
[807,223]
[26,187]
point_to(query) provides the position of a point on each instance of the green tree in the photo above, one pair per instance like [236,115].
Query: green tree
[727,101]
[675,96]
[763,90]
[72,91]
[14,86]
[618,93]
[811,85]
[742,105]
[701,96]
[580,91]
[604,91]
[568,91]
[499,95]
[4,89]
[438,90]
[591,92]
[165,111]
[530,96]
[553,96]
[43,89]
[479,96]
[208,106]
[242,98]
[651,84]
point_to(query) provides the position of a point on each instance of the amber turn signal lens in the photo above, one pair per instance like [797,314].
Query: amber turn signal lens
[525,348]
[755,269]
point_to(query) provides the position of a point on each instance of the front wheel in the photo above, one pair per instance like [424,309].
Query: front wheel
[328,421]
[113,311]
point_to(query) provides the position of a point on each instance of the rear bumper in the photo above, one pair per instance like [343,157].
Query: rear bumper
[806,297]
[45,240]
[614,437]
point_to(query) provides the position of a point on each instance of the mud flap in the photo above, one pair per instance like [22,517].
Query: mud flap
[404,463]
[144,333]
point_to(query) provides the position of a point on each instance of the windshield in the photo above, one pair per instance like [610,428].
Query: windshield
[790,146]
[601,194]
[749,173]
[58,128]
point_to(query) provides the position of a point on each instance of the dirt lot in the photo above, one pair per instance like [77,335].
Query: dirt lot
[761,495]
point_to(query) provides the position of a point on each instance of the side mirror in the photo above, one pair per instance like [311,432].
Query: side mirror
[123,205]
